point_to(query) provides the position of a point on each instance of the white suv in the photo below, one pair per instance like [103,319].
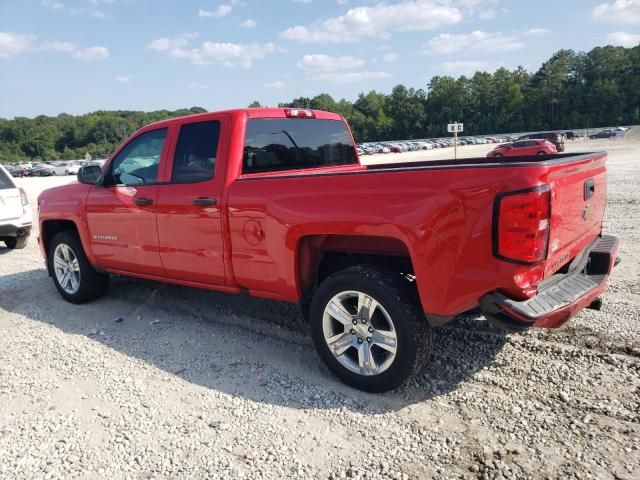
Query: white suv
[15,212]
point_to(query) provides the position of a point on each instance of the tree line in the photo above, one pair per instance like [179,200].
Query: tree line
[570,90]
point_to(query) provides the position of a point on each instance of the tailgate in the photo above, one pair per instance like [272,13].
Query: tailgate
[578,197]
[10,203]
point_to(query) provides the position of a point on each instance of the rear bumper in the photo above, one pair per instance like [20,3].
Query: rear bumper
[17,227]
[14,230]
[561,299]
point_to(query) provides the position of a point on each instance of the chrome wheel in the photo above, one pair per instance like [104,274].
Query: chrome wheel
[359,333]
[66,268]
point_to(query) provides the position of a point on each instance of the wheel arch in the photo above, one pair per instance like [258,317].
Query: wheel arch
[319,256]
[50,228]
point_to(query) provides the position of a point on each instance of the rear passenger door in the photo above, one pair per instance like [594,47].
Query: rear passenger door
[188,209]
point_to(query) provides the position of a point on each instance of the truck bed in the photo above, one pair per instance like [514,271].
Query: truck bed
[438,213]
[490,162]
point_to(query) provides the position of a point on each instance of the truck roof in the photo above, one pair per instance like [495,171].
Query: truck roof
[280,112]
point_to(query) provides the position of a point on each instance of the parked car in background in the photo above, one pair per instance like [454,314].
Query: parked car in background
[554,137]
[17,170]
[15,212]
[67,168]
[99,162]
[523,148]
[43,170]
[607,133]
[394,147]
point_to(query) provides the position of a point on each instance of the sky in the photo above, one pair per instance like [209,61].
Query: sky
[78,56]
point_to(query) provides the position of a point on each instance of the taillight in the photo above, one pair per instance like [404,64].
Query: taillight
[23,198]
[299,113]
[521,225]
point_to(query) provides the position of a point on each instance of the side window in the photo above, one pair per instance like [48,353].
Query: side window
[519,144]
[277,144]
[139,161]
[195,157]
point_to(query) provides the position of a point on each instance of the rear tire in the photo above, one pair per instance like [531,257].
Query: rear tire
[498,154]
[541,153]
[15,243]
[381,349]
[66,260]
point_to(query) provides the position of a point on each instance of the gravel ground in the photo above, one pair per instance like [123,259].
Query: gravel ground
[194,384]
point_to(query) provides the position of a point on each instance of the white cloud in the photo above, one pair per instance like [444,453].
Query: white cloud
[164,43]
[622,12]
[378,21]
[249,23]
[390,57]
[488,14]
[14,43]
[228,54]
[124,78]
[349,77]
[66,47]
[91,54]
[53,5]
[464,67]
[477,40]
[197,86]
[222,11]
[624,39]
[278,84]
[326,63]
[536,31]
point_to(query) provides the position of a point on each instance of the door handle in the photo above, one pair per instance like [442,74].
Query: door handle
[143,202]
[204,201]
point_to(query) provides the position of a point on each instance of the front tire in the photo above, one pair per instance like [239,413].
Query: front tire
[73,275]
[369,329]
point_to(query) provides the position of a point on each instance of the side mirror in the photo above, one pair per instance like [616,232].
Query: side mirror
[89,174]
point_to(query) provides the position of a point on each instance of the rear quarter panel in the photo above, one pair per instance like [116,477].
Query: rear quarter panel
[442,215]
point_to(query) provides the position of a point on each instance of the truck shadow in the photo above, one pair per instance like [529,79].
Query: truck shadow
[258,349]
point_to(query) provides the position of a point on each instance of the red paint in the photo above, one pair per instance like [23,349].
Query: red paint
[267,231]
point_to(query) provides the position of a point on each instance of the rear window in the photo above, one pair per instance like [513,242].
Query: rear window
[276,144]
[5,181]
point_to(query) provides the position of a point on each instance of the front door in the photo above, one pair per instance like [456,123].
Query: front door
[121,213]
[189,214]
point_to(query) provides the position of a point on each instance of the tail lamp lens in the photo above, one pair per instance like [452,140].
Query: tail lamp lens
[23,198]
[523,225]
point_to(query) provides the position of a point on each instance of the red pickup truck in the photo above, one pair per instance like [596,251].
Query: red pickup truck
[274,203]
